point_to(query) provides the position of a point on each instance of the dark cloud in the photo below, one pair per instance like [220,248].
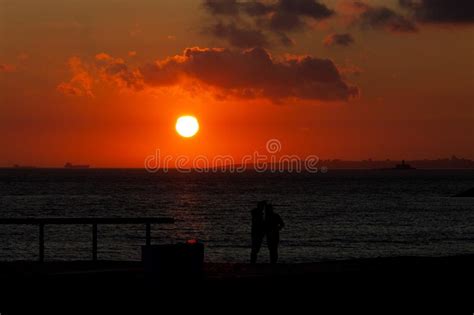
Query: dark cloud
[286,22]
[222,7]
[284,40]
[309,8]
[243,74]
[441,11]
[378,17]
[239,37]
[256,8]
[339,40]
[273,18]
[253,74]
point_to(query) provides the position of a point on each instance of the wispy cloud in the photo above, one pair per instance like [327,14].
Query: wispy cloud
[81,82]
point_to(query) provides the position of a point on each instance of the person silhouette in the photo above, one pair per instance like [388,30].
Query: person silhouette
[258,230]
[273,225]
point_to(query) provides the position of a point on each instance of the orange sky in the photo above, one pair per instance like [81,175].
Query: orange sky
[416,89]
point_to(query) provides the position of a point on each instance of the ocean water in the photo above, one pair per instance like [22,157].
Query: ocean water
[341,214]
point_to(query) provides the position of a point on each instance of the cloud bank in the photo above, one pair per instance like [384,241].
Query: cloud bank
[260,23]
[441,11]
[253,23]
[243,74]
[455,12]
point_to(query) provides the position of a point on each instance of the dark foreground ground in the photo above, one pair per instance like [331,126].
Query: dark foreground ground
[386,284]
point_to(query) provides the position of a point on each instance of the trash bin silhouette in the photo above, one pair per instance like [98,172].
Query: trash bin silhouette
[182,261]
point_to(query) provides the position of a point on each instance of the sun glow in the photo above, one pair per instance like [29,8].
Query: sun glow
[187,126]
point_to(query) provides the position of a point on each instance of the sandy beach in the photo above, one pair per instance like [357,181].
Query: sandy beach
[394,283]
[111,272]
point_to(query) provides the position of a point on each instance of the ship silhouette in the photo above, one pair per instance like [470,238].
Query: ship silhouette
[403,166]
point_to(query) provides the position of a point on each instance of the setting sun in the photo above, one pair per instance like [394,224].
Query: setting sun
[187,126]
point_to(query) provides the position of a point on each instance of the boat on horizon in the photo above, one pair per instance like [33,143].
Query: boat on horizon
[73,166]
[403,166]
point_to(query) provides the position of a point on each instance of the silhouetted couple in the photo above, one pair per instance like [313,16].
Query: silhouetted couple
[265,222]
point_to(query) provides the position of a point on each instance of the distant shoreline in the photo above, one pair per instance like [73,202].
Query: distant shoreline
[224,171]
[452,163]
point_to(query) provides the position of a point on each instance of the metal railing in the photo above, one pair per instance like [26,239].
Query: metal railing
[94,222]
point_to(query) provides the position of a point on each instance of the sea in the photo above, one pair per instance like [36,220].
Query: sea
[336,215]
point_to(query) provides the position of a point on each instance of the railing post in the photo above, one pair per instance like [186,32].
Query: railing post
[148,233]
[94,222]
[94,242]
[41,242]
